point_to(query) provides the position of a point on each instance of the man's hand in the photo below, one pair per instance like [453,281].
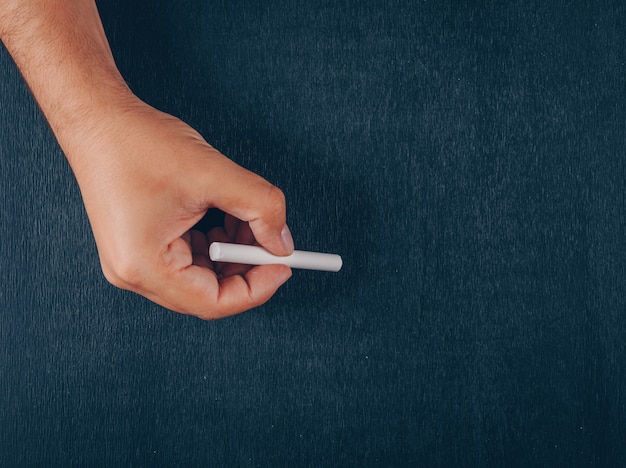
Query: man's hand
[146,177]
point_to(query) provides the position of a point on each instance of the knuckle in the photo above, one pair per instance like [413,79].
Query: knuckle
[210,314]
[207,316]
[111,277]
[124,275]
[276,202]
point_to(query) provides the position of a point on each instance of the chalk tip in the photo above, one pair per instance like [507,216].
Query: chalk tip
[215,252]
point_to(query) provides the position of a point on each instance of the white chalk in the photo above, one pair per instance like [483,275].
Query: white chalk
[252,255]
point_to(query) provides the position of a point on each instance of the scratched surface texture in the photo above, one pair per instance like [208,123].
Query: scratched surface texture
[468,161]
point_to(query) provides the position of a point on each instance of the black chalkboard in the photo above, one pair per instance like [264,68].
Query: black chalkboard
[467,160]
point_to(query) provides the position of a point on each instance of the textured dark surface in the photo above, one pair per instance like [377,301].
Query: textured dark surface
[468,161]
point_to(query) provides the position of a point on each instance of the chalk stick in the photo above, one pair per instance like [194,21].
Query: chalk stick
[253,255]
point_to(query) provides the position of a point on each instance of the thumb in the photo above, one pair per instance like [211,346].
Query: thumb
[249,197]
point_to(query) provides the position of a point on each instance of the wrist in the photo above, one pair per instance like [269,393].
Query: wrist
[61,50]
[86,111]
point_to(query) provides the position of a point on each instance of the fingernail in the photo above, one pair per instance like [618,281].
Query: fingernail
[285,234]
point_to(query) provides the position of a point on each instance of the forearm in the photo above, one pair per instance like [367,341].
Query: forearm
[62,52]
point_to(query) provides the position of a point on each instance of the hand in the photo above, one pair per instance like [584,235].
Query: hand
[146,178]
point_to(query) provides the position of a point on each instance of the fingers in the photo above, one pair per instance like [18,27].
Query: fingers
[269,225]
[220,235]
[252,199]
[238,231]
[257,286]
[197,291]
[198,244]
[184,281]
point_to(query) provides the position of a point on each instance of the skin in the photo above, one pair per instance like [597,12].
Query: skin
[145,177]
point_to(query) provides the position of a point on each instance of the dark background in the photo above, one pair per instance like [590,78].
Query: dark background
[466,158]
